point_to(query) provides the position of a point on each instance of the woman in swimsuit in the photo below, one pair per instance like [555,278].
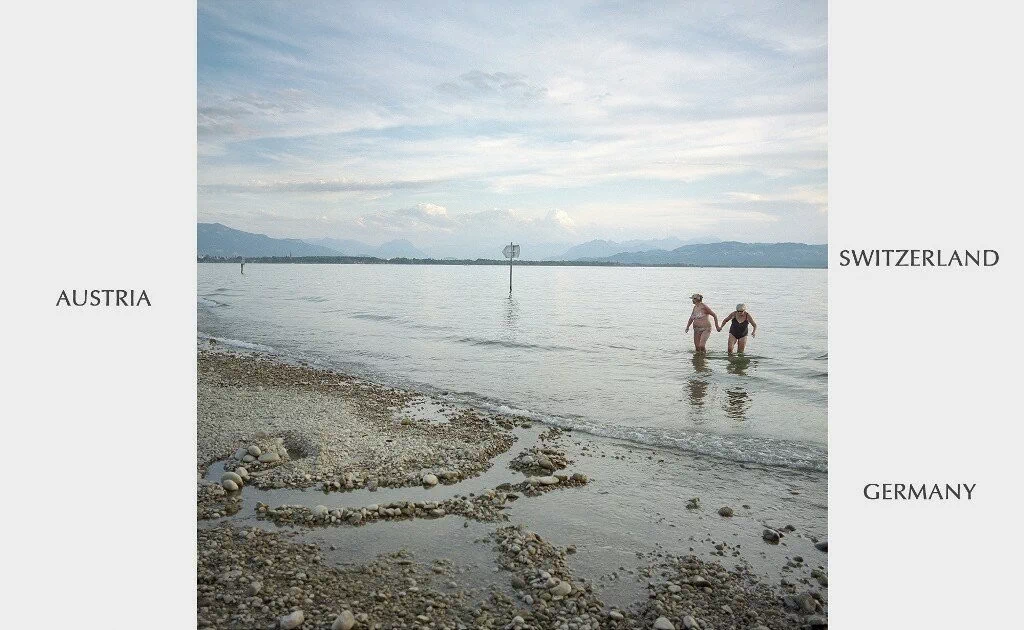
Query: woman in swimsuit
[738,330]
[700,322]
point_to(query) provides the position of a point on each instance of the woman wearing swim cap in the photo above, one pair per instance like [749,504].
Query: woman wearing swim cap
[740,319]
[700,322]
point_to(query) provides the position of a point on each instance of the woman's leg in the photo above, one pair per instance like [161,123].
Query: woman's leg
[741,343]
[732,343]
[704,336]
[696,339]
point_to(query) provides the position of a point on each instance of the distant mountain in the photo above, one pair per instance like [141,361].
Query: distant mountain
[602,248]
[400,248]
[215,239]
[729,254]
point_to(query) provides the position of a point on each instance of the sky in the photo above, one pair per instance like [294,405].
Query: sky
[462,126]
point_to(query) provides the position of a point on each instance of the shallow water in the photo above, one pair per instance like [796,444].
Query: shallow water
[599,349]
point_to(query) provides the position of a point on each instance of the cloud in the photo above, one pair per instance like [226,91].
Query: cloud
[616,116]
[511,88]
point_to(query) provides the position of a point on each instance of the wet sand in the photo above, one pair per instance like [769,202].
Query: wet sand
[443,481]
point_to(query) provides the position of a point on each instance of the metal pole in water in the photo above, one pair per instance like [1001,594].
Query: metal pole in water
[511,255]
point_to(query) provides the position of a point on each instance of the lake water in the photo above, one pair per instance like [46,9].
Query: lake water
[595,349]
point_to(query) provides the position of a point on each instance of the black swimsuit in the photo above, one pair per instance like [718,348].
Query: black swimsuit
[738,329]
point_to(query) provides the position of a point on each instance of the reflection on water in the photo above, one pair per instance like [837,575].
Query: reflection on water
[737,399]
[738,365]
[510,328]
[698,383]
[512,313]
[737,402]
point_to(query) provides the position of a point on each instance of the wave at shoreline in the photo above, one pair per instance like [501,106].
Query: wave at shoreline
[733,448]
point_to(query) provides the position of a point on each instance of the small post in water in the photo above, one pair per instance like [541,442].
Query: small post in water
[511,251]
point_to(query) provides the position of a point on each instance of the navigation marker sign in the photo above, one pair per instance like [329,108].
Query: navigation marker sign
[511,251]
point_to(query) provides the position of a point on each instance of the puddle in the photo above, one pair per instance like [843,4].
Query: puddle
[635,504]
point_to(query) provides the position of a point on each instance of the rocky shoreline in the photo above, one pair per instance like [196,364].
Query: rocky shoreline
[267,425]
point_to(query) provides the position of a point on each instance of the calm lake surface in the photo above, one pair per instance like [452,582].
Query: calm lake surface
[595,349]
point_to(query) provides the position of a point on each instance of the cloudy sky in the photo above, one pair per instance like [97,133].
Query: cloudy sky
[460,126]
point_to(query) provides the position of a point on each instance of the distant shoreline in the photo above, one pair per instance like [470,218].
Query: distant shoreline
[369,260]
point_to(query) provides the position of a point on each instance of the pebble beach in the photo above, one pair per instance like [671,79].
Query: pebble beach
[329,501]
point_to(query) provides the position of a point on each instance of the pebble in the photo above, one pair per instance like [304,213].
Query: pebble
[562,588]
[542,481]
[770,535]
[229,485]
[662,623]
[254,450]
[689,622]
[232,476]
[270,457]
[293,620]
[616,615]
[255,587]
[821,546]
[725,511]
[430,479]
[243,473]
[344,621]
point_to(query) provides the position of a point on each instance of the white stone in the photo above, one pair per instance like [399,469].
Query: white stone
[229,485]
[243,473]
[562,588]
[344,621]
[294,620]
[232,476]
[254,450]
[240,453]
[248,459]
[429,479]
[270,457]
[662,623]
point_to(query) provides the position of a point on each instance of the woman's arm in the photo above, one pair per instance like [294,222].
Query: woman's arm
[753,325]
[688,322]
[713,316]
[726,320]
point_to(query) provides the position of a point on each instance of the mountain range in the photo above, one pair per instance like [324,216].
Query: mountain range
[600,248]
[217,240]
[399,248]
[728,254]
